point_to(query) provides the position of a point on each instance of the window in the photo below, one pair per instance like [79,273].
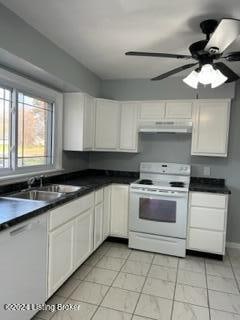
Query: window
[34,138]
[26,131]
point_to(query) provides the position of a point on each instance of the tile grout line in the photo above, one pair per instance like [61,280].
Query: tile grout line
[91,267]
[108,289]
[174,293]
[234,275]
[82,280]
[140,293]
[208,301]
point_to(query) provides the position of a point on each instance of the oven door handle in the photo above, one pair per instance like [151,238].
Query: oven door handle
[156,194]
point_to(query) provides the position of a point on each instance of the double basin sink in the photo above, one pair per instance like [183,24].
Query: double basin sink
[46,193]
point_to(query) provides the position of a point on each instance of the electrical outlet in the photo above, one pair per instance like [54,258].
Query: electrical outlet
[206,171]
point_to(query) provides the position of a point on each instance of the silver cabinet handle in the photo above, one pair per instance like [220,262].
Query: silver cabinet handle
[19,230]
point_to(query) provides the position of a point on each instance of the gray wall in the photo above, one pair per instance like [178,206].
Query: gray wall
[170,88]
[176,148]
[74,161]
[25,49]
[23,41]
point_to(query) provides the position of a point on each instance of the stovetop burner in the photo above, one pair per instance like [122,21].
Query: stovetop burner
[146,181]
[176,184]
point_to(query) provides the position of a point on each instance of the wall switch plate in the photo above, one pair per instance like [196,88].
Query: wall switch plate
[206,171]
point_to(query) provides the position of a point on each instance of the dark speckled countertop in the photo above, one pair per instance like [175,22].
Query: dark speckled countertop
[211,185]
[14,211]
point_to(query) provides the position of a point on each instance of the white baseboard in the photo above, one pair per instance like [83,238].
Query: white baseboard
[235,245]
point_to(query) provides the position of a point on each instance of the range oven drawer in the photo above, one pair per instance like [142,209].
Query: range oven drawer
[154,243]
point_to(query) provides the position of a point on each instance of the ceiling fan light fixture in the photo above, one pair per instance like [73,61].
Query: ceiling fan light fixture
[206,74]
[219,79]
[192,79]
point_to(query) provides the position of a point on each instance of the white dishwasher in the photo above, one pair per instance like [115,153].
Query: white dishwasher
[23,266]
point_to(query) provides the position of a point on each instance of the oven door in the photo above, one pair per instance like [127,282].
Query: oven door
[159,213]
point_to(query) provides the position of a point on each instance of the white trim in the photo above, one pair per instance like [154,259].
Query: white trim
[20,83]
[235,245]
[23,176]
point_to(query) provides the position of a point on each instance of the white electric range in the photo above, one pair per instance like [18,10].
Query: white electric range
[159,207]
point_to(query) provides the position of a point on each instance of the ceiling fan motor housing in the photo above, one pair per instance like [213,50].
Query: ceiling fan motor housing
[208,26]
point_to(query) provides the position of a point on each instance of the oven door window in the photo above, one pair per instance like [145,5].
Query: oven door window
[158,210]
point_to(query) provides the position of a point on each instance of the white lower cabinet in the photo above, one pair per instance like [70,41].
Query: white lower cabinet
[83,237]
[70,239]
[106,212]
[119,210]
[207,220]
[61,256]
[98,225]
[206,241]
[79,227]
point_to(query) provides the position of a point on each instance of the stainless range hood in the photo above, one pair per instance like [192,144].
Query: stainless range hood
[166,127]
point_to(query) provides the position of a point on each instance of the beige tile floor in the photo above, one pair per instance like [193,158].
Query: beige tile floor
[117,283]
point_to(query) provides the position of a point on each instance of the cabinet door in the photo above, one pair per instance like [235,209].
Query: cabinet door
[210,128]
[106,212]
[107,124]
[119,210]
[83,237]
[128,129]
[88,123]
[61,253]
[98,225]
[73,121]
[178,109]
[152,110]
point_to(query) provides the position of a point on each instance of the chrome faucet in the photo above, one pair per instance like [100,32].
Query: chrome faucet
[30,182]
[41,180]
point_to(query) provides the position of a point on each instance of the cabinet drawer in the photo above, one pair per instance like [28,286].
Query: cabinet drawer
[207,241]
[70,210]
[98,196]
[209,200]
[207,218]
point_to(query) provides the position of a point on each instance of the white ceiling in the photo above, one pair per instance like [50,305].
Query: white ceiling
[98,32]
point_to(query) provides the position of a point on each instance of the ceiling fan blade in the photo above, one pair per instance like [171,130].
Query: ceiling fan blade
[174,71]
[158,55]
[226,32]
[232,76]
[232,56]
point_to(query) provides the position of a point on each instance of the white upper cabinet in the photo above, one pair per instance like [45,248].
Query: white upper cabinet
[160,110]
[107,120]
[210,128]
[178,109]
[106,125]
[78,121]
[152,110]
[128,127]
[88,123]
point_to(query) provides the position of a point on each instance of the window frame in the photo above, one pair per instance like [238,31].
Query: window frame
[8,170]
[16,84]
[16,120]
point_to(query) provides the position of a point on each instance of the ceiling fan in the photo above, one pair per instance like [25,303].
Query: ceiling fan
[219,36]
